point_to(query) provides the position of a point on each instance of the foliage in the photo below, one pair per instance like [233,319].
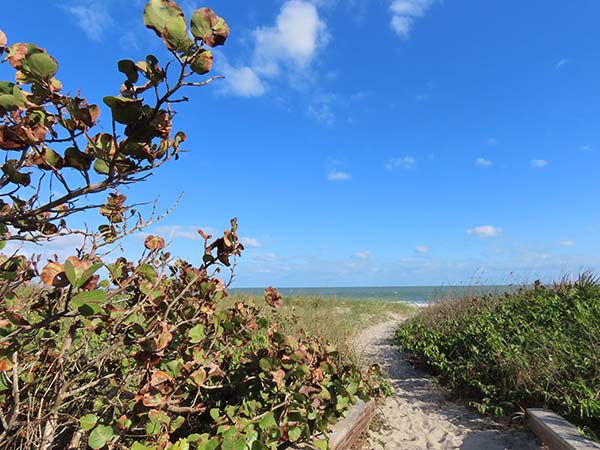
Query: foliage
[113,353]
[539,347]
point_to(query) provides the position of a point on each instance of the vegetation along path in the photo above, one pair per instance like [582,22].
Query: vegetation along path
[416,415]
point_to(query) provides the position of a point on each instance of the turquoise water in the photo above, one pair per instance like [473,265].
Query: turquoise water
[413,294]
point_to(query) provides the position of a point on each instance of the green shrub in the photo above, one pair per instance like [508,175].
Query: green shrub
[539,347]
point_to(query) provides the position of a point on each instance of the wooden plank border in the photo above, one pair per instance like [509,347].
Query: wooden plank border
[347,431]
[556,432]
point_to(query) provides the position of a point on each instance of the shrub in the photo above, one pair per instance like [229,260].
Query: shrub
[539,347]
[111,353]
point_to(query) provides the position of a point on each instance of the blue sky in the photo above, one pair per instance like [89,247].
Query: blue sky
[381,142]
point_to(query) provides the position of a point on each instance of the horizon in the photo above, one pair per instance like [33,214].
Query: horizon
[453,143]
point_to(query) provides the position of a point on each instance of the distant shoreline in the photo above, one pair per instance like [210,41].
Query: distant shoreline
[409,294]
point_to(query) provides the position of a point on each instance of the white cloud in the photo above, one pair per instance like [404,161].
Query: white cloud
[421,249]
[288,47]
[93,19]
[568,243]
[485,231]
[538,163]
[404,14]
[249,242]
[482,162]
[585,148]
[294,39]
[406,162]
[493,141]
[337,175]
[362,255]
[242,81]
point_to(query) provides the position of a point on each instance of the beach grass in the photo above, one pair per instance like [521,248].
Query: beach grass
[338,320]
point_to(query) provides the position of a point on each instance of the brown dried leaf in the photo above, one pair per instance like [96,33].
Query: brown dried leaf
[273,298]
[53,274]
[154,243]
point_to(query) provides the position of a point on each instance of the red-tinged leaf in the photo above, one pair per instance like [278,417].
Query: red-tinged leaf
[5,365]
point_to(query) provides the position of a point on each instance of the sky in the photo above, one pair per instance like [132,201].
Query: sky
[368,142]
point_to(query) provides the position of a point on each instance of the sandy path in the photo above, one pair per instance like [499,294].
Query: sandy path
[416,417]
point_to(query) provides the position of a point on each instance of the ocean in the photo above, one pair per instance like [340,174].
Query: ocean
[412,294]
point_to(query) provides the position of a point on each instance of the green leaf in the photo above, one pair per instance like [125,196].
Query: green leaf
[89,272]
[321,444]
[100,436]
[124,110]
[138,446]
[8,102]
[294,433]
[197,334]
[88,422]
[233,441]
[6,87]
[202,63]
[14,176]
[40,65]
[101,167]
[268,421]
[181,444]
[166,18]
[89,303]
[77,159]
[265,365]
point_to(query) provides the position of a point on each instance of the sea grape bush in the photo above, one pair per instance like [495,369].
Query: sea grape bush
[535,348]
[37,121]
[98,352]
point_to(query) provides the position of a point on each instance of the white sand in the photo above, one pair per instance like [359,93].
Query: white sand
[417,416]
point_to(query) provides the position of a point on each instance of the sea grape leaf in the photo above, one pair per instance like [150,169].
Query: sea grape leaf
[127,67]
[202,63]
[124,110]
[88,422]
[40,65]
[100,436]
[209,27]
[166,19]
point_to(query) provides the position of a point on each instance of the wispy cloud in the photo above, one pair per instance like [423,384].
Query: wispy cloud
[538,163]
[321,109]
[338,175]
[92,18]
[485,231]
[406,162]
[586,148]
[563,62]
[250,242]
[404,14]
[362,255]
[421,249]
[483,162]
[493,141]
[568,243]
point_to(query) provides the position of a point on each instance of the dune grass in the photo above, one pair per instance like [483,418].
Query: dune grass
[336,319]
